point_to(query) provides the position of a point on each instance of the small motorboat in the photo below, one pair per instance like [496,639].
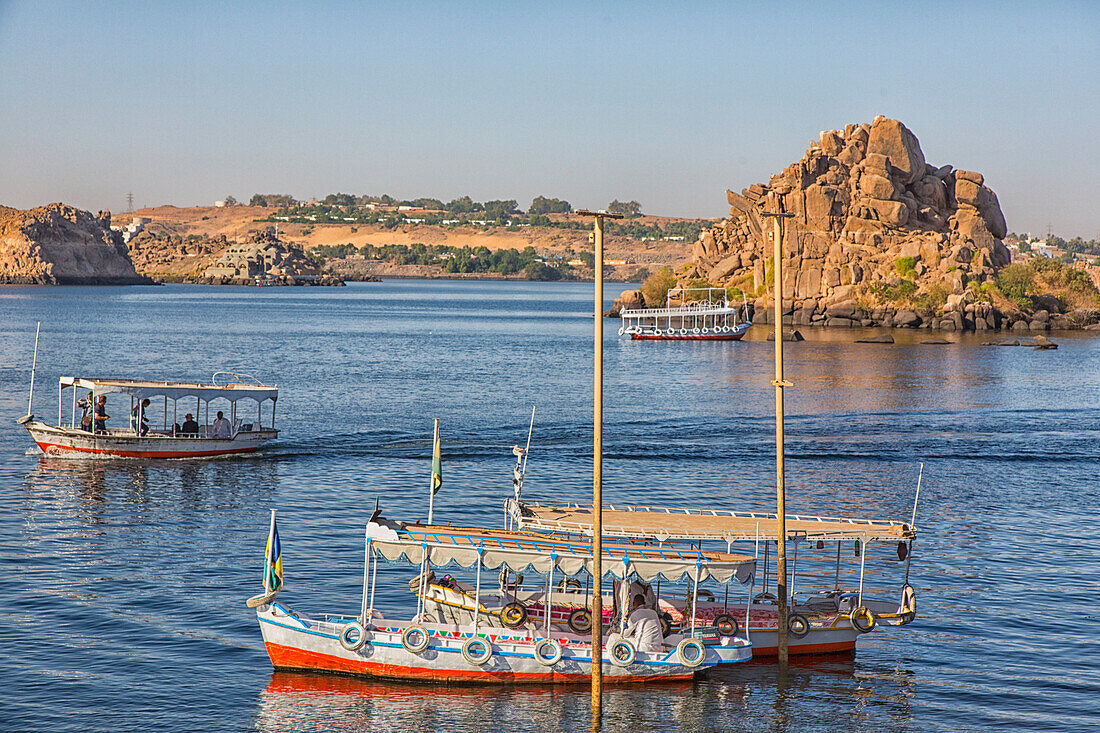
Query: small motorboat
[469,632]
[175,437]
[829,618]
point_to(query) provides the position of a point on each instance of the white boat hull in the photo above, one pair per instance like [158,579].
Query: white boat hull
[69,443]
[297,643]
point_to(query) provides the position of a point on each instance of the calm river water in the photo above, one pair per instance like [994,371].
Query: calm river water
[122,584]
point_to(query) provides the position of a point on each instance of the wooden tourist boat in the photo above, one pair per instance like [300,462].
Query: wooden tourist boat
[690,314]
[239,434]
[827,618]
[487,636]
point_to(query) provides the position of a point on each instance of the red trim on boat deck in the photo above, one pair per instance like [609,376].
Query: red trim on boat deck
[289,658]
[52,449]
[795,649]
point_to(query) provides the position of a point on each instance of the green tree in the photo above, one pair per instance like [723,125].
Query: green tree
[464,205]
[500,209]
[630,209]
[543,205]
[655,288]
[257,200]
[339,199]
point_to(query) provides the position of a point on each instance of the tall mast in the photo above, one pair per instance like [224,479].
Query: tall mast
[597,470]
[780,479]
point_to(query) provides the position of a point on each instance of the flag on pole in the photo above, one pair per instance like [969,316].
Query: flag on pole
[273,559]
[437,462]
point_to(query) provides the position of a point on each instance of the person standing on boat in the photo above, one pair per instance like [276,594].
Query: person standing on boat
[99,415]
[87,406]
[643,627]
[139,417]
[221,427]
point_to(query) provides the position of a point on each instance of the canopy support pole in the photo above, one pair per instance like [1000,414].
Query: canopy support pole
[862,561]
[72,423]
[366,571]
[477,590]
[836,576]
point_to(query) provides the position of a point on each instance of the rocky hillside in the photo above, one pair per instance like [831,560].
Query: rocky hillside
[59,244]
[879,237]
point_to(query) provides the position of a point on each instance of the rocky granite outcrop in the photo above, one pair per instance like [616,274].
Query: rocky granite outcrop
[879,236]
[62,245]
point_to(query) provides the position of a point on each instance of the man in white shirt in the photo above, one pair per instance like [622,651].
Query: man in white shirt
[643,627]
[220,428]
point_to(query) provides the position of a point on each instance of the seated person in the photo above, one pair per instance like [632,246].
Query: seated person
[643,627]
[189,427]
[220,427]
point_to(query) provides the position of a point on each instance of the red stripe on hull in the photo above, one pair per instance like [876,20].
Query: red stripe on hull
[52,449]
[720,337]
[797,649]
[289,658]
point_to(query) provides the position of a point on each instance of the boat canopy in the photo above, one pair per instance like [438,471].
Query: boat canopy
[173,390]
[526,551]
[668,523]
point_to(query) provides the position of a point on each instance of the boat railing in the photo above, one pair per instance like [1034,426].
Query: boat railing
[238,378]
[690,309]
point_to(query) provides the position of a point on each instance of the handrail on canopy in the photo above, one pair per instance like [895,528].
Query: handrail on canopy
[686,524]
[140,389]
[523,551]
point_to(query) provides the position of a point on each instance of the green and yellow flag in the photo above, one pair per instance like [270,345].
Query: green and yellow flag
[273,559]
[437,462]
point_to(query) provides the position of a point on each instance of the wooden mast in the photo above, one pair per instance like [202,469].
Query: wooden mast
[779,382]
[597,469]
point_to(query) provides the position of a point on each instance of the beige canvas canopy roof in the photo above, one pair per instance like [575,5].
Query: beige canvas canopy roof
[669,523]
[523,551]
[140,389]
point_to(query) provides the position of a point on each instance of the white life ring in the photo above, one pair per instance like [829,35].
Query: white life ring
[477,651]
[621,330]
[353,636]
[547,652]
[415,638]
[691,653]
[683,332]
[705,331]
[658,332]
[695,331]
[623,652]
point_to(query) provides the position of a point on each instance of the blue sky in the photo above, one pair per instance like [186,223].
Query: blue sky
[665,103]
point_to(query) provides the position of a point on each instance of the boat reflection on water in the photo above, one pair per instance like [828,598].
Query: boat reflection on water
[304,702]
[872,698]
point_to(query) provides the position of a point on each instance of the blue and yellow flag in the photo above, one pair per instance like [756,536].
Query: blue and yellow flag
[273,560]
[437,462]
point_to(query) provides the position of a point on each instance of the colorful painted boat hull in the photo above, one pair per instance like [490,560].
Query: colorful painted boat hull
[297,643]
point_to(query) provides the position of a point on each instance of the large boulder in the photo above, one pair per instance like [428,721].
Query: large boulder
[899,145]
[725,268]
